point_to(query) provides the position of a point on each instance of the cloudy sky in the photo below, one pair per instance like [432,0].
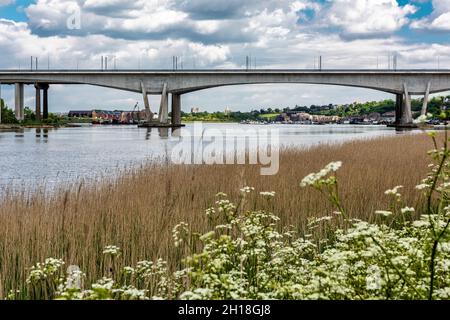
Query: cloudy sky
[220,34]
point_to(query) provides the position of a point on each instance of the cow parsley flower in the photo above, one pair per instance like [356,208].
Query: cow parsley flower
[422,186]
[384,213]
[179,232]
[393,191]
[407,210]
[112,250]
[314,178]
[333,166]
[221,195]
[247,189]
[270,194]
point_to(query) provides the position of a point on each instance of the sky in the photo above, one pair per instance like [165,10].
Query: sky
[217,34]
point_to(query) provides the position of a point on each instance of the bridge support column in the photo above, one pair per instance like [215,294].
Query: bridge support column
[45,101]
[19,101]
[176,109]
[163,116]
[148,112]
[407,112]
[403,112]
[398,108]
[425,99]
[38,102]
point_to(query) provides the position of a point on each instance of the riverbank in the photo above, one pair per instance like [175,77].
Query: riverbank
[37,126]
[139,210]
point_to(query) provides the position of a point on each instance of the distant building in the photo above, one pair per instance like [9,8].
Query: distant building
[195,110]
[388,117]
[80,114]
[303,117]
[227,111]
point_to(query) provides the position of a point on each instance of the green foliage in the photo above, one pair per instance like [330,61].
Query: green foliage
[435,106]
[219,116]
[7,114]
[29,115]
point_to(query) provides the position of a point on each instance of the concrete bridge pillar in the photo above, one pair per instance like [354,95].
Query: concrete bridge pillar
[148,112]
[176,109]
[425,99]
[38,102]
[398,108]
[406,118]
[45,101]
[403,111]
[163,116]
[19,102]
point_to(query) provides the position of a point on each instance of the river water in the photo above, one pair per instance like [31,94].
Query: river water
[55,157]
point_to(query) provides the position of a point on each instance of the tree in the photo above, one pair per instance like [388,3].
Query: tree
[29,114]
[8,116]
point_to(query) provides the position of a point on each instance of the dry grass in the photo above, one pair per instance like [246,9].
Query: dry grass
[138,211]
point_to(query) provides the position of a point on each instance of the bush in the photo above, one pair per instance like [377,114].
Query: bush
[8,116]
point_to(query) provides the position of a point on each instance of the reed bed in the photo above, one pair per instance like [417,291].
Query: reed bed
[138,210]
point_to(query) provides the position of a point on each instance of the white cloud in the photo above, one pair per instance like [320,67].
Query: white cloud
[366,17]
[442,22]
[6,2]
[438,20]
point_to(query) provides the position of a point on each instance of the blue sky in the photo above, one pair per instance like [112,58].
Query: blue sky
[220,34]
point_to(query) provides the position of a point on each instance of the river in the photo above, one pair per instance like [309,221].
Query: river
[55,157]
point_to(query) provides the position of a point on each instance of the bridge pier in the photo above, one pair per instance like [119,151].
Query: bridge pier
[403,111]
[44,87]
[19,101]
[425,99]
[148,112]
[163,116]
[45,101]
[38,102]
[176,109]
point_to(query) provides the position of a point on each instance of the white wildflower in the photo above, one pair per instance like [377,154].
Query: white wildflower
[112,250]
[393,191]
[221,195]
[210,211]
[179,232]
[103,284]
[384,213]
[408,210]
[270,194]
[128,270]
[309,180]
[333,166]
[422,186]
[132,293]
[313,178]
[247,189]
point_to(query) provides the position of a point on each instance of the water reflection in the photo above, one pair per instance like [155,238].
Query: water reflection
[163,133]
[42,135]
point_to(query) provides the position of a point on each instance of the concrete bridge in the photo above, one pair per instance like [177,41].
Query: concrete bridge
[402,83]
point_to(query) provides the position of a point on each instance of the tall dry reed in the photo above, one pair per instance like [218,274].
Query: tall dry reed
[138,210]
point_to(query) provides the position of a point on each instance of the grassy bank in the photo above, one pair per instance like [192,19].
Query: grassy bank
[138,211]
